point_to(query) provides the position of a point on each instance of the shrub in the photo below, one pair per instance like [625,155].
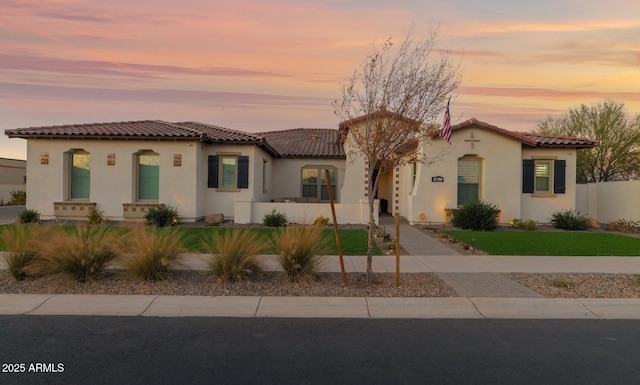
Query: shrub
[29,216]
[478,216]
[233,254]
[528,225]
[300,251]
[18,198]
[162,216]
[624,226]
[152,252]
[81,253]
[22,244]
[274,219]
[96,217]
[321,221]
[569,220]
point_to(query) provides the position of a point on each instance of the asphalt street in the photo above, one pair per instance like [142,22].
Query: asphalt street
[149,350]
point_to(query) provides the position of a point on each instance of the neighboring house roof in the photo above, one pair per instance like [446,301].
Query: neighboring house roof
[526,138]
[306,143]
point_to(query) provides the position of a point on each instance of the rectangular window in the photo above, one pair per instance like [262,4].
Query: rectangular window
[44,158]
[264,176]
[229,171]
[80,175]
[543,175]
[148,176]
[177,160]
[314,183]
[111,159]
[310,183]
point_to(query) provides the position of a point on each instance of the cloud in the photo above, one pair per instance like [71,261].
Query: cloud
[546,93]
[106,68]
[173,96]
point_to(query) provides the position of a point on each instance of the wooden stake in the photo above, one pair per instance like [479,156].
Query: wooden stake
[335,229]
[397,250]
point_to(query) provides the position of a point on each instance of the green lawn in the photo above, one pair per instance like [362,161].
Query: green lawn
[353,241]
[549,243]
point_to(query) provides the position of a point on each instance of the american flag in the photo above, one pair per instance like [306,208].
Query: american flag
[446,126]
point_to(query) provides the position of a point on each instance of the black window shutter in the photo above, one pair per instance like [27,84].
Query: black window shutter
[243,172]
[559,176]
[528,176]
[212,174]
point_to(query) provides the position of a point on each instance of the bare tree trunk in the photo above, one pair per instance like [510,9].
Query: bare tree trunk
[372,226]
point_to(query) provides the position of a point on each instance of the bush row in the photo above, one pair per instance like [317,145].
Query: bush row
[82,252]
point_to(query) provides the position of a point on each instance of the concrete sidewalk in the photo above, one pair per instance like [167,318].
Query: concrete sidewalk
[318,307]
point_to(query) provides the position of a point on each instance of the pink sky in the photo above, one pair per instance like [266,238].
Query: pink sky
[268,65]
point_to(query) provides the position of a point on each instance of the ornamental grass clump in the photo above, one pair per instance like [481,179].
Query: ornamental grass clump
[81,253]
[300,251]
[233,254]
[22,244]
[152,252]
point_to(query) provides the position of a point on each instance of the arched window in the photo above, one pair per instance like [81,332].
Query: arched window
[148,176]
[468,179]
[80,175]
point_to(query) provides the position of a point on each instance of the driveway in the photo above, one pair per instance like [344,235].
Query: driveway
[8,214]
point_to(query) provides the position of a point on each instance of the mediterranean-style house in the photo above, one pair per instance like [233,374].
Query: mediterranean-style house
[123,168]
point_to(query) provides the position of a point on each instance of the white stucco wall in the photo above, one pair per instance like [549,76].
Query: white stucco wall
[13,173]
[500,175]
[540,208]
[609,201]
[111,186]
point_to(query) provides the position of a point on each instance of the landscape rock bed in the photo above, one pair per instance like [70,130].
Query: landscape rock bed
[264,284]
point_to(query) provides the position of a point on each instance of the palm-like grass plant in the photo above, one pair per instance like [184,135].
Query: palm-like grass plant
[22,245]
[80,253]
[233,254]
[301,251]
[152,252]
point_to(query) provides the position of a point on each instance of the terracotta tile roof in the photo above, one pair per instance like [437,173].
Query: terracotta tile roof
[560,141]
[306,142]
[526,138]
[144,129]
[288,143]
[217,134]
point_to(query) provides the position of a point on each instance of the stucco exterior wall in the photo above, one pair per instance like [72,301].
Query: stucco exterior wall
[500,175]
[609,201]
[540,208]
[111,186]
[13,174]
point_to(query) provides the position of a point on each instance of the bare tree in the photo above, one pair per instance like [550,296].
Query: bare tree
[390,105]
[617,155]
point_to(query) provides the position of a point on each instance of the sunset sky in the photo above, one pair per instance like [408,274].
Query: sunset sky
[267,65]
